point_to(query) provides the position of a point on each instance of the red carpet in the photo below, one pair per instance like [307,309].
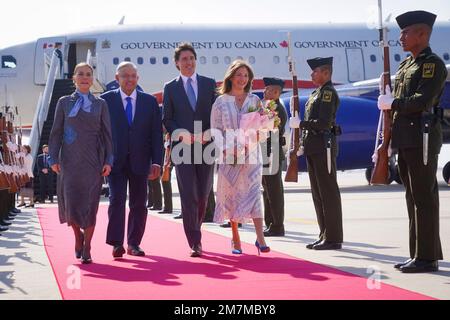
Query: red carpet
[167,271]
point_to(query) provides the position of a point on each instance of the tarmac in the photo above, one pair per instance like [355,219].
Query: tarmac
[375,238]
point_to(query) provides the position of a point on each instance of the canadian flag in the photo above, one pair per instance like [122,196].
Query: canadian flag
[284,44]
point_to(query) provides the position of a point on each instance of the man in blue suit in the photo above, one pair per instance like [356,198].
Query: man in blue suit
[137,140]
[187,111]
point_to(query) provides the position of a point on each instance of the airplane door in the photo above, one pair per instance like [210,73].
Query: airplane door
[42,57]
[355,64]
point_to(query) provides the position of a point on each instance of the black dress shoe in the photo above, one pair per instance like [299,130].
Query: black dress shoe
[155,208]
[135,251]
[419,265]
[196,250]
[273,233]
[401,264]
[180,216]
[311,245]
[327,245]
[165,211]
[118,251]
[15,210]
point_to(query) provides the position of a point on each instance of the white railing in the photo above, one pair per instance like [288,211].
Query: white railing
[42,107]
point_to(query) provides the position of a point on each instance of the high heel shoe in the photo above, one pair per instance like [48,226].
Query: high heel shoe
[261,248]
[78,253]
[86,256]
[234,250]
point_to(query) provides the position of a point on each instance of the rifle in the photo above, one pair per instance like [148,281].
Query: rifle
[167,161]
[11,174]
[292,170]
[380,172]
[4,179]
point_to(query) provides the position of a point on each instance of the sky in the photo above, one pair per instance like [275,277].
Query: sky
[25,20]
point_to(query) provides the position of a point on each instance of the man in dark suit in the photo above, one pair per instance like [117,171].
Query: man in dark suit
[45,175]
[272,182]
[187,105]
[59,54]
[137,139]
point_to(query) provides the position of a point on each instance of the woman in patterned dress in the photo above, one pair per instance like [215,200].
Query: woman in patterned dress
[239,180]
[81,152]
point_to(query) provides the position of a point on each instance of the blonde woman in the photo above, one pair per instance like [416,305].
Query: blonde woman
[239,182]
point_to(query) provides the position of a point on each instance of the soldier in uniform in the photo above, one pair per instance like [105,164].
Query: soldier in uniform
[417,135]
[272,183]
[319,132]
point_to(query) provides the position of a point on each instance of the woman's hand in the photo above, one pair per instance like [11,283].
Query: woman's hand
[106,170]
[56,168]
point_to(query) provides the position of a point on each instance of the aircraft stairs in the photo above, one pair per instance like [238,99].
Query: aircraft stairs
[61,88]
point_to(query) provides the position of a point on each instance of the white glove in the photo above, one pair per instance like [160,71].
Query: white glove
[375,157]
[385,100]
[381,82]
[294,122]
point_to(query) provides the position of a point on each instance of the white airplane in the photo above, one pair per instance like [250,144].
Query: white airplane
[355,48]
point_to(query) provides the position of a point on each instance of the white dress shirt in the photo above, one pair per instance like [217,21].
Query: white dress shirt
[194,83]
[133,100]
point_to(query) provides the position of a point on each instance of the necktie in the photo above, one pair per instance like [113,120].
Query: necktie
[129,110]
[45,160]
[191,94]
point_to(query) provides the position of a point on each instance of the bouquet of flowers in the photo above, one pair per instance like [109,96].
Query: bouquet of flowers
[262,117]
[256,124]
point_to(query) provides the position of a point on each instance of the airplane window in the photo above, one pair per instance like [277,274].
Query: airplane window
[252,60]
[152,60]
[373,58]
[397,57]
[127,59]
[276,59]
[446,56]
[116,61]
[215,60]
[140,60]
[166,60]
[227,60]
[202,60]
[9,62]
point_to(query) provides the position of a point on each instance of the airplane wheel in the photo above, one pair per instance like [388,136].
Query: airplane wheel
[446,172]
[368,174]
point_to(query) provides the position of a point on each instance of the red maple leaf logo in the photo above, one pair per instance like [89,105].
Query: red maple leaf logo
[284,44]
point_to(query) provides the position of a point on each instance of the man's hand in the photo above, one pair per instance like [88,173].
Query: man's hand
[294,122]
[106,170]
[55,167]
[155,171]
[385,100]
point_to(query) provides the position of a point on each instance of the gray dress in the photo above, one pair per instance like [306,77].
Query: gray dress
[82,145]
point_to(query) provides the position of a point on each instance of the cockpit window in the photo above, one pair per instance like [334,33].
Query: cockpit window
[9,62]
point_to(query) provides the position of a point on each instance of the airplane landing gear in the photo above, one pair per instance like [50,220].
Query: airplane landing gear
[446,173]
